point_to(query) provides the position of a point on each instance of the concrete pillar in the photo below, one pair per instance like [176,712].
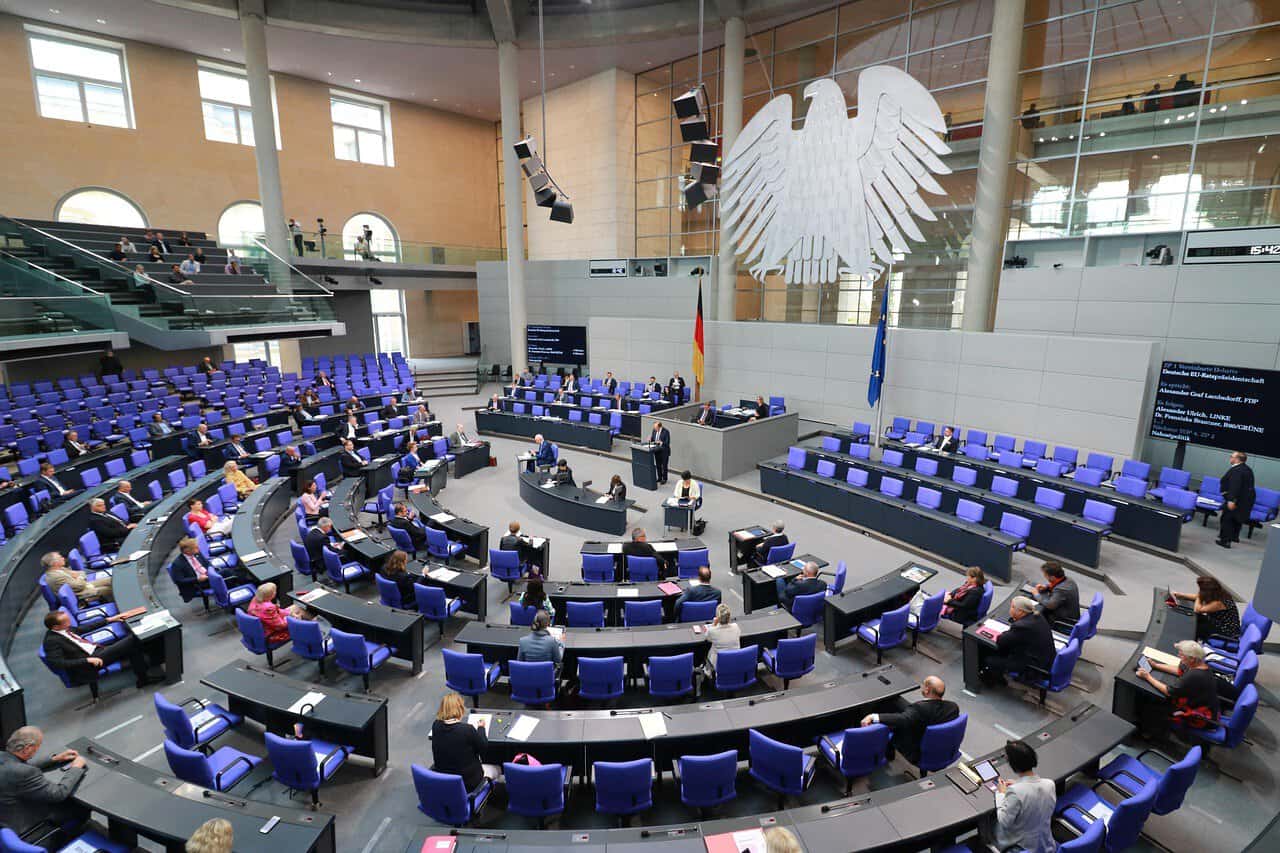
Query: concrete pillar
[254,37]
[990,211]
[512,194]
[735,31]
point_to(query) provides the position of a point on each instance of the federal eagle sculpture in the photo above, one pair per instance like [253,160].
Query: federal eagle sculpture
[839,193]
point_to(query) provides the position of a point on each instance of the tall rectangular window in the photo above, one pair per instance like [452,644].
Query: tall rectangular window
[268,351]
[224,103]
[361,129]
[388,320]
[80,79]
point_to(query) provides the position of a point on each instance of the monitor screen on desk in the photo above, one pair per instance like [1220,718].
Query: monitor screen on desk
[556,344]
[1232,408]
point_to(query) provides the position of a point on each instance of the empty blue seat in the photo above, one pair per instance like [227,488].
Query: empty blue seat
[707,781]
[309,641]
[1051,498]
[929,498]
[698,611]
[601,678]
[671,676]
[623,787]
[964,476]
[598,568]
[584,614]
[357,655]
[886,632]
[642,569]
[928,467]
[304,765]
[532,682]
[1170,478]
[826,468]
[735,669]
[892,458]
[1102,513]
[1016,526]
[538,792]
[641,613]
[469,674]
[1089,476]
[780,767]
[792,658]
[891,486]
[217,771]
[856,477]
[855,752]
[1080,806]
[970,511]
[807,609]
[1128,774]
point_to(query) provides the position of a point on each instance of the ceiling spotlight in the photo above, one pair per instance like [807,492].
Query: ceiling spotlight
[357,79]
[226,50]
[56,11]
[102,20]
[546,193]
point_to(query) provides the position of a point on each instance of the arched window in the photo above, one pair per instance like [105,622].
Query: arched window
[385,243]
[240,223]
[100,207]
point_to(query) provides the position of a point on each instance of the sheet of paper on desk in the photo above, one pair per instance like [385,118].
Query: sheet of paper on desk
[313,594]
[615,547]
[311,697]
[477,720]
[654,725]
[915,574]
[628,592]
[441,517]
[549,484]
[774,571]
[538,541]
[996,626]
[745,841]
[1154,654]
[354,535]
[1101,810]
[79,846]
[253,557]
[152,621]
[665,547]
[523,727]
[556,632]
[442,574]
[603,499]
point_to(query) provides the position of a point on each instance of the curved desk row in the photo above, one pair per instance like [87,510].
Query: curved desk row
[251,528]
[321,462]
[59,529]
[668,552]
[628,422]
[942,534]
[68,473]
[760,587]
[841,613]
[474,536]
[614,596]
[573,505]
[400,630]
[552,429]
[913,816]
[175,442]
[1071,536]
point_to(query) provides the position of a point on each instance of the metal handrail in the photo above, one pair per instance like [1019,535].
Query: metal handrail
[260,242]
[76,284]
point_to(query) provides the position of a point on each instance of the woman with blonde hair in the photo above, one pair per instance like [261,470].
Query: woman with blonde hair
[723,633]
[457,747]
[272,616]
[232,474]
[779,839]
[213,836]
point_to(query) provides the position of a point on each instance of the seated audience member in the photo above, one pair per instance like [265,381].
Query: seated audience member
[350,429]
[411,396]
[1058,598]
[687,489]
[75,447]
[705,416]
[48,480]
[200,438]
[190,266]
[1024,804]
[154,256]
[538,644]
[313,501]
[206,366]
[570,384]
[723,633]
[1215,609]
[652,386]
[402,519]
[961,604]
[317,539]
[160,242]
[290,461]
[198,255]
[909,724]
[535,596]
[457,747]
[142,281]
[126,245]
[543,455]
[460,437]
[354,406]
[117,253]
[494,404]
[350,461]
[617,489]
[232,266]
[1027,645]
[395,569]
[137,509]
[108,527]
[762,408]
[273,615]
[110,364]
[68,651]
[514,540]
[184,240]
[207,521]
[56,573]
[411,459]
[389,411]
[1195,695]
[700,591]
[190,569]
[805,583]
[158,425]
[232,474]
[29,793]
[322,380]
[422,415]
[235,448]
[213,836]
[563,475]
[775,539]
[947,442]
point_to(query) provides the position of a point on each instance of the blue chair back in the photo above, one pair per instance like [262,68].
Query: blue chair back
[892,457]
[308,638]
[891,486]
[930,612]
[689,561]
[736,668]
[188,765]
[177,725]
[402,539]
[1088,842]
[1051,498]
[856,476]
[964,476]
[970,511]
[708,780]
[642,569]
[1126,821]
[807,609]
[388,592]
[1099,512]
[826,468]
[293,763]
[350,652]
[11,842]
[641,613]
[984,605]
[301,559]
[252,635]
[534,791]
[520,614]
[777,765]
[928,498]
[1089,476]
[431,602]
[505,565]
[796,457]
[795,656]
[464,672]
[842,574]
[698,611]
[863,749]
[893,627]
[601,678]
[584,614]
[623,787]
[671,675]
[598,568]
[928,467]
[442,796]
[781,553]
[1015,525]
[532,682]
[940,744]
[1176,781]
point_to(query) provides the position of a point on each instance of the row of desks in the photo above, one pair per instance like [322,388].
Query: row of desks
[629,422]
[937,532]
[573,505]
[553,429]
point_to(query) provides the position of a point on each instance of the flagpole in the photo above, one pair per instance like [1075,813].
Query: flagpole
[697,381]
[879,430]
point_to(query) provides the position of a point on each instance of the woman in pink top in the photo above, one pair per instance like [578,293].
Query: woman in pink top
[271,614]
[313,501]
[205,520]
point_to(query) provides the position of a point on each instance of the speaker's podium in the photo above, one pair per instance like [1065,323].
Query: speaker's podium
[644,466]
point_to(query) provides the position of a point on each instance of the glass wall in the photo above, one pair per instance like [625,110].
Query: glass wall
[1135,116]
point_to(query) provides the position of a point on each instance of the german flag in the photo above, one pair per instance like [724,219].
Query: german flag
[699,344]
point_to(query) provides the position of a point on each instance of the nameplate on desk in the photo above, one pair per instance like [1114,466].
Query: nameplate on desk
[665,547]
[311,698]
[441,517]
[353,535]
[253,557]
[523,728]
[628,592]
[775,571]
[442,574]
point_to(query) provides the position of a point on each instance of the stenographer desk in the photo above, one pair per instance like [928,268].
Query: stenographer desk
[139,801]
[760,589]
[572,504]
[614,596]
[858,604]
[357,720]
[561,432]
[668,553]
[1132,698]
[400,630]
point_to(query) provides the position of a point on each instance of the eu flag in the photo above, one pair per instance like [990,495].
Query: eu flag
[878,353]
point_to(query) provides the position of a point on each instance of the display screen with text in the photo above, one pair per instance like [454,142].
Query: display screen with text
[557,344]
[1233,408]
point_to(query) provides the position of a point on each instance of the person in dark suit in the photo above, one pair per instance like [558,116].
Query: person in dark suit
[1238,495]
[290,461]
[805,583]
[350,461]
[124,494]
[1026,645]
[544,456]
[189,570]
[109,529]
[323,380]
[775,539]
[29,793]
[617,489]
[161,243]
[158,425]
[349,430]
[675,388]
[639,546]
[199,438]
[701,591]
[317,539]
[395,570]
[563,475]
[80,659]
[947,442]
[389,411]
[660,437]
[235,449]
[75,447]
[961,604]
[49,481]
[909,724]
[1058,598]
[514,540]
[762,408]
[109,364]
[610,384]
[206,366]
[494,405]
[403,520]
[570,384]
[706,415]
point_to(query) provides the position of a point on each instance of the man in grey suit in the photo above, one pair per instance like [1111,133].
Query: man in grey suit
[29,795]
[1058,598]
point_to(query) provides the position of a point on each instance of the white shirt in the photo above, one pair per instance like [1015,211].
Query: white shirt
[84,645]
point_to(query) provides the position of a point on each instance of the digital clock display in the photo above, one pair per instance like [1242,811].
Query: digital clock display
[1261,251]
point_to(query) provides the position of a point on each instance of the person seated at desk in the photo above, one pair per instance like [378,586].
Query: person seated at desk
[618,403]
[762,408]
[351,462]
[1024,804]
[395,569]
[570,384]
[1026,645]
[108,527]
[516,541]
[124,493]
[495,404]
[272,616]
[564,395]
[75,448]
[1195,699]
[723,633]
[290,461]
[29,793]
[457,747]
[350,430]
[48,480]
[422,416]
[200,438]
[535,596]
[639,547]
[700,591]
[206,366]
[947,442]
[235,449]
[322,380]
[317,539]
[403,520]
[775,539]
[909,724]
[563,475]
[310,398]
[617,489]
[354,405]
[1058,598]
[243,485]
[1214,607]
[961,604]
[688,490]
[538,644]
[652,386]
[56,574]
[706,416]
[806,583]
[190,569]
[411,460]
[460,438]
[610,384]
[300,416]
[543,454]
[205,520]
[526,378]
[158,425]
[314,502]
[389,411]
[68,651]
[411,396]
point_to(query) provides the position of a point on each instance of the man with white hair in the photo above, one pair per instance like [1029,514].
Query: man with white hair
[29,794]
[1027,645]
[1195,694]
[806,583]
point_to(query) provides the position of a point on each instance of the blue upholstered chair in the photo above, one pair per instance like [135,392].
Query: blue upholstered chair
[357,655]
[539,792]
[855,752]
[304,765]
[598,568]
[532,682]
[707,781]
[194,724]
[469,674]
[793,658]
[254,637]
[217,772]
[886,632]
[780,767]
[735,669]
[940,745]
[601,679]
[309,641]
[671,676]
[584,614]
[623,787]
